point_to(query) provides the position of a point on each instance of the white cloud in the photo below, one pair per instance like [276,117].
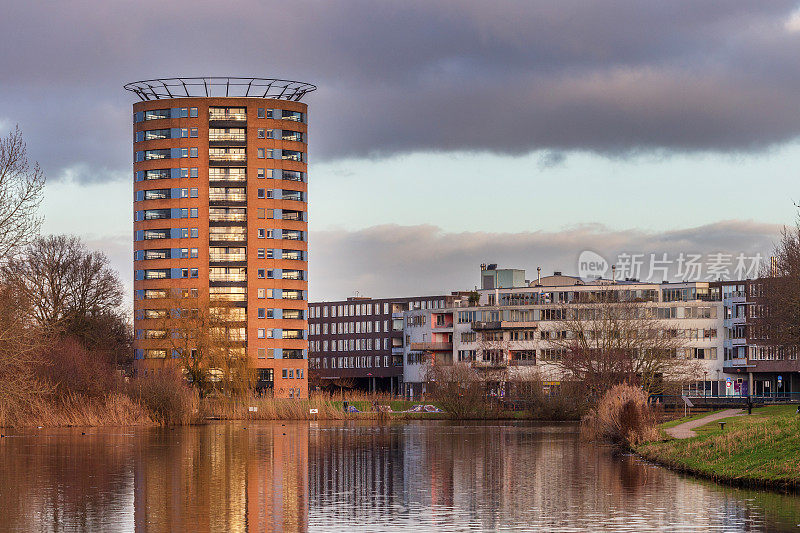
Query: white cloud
[792,24]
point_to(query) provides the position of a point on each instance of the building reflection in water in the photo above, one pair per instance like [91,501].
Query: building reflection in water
[356,477]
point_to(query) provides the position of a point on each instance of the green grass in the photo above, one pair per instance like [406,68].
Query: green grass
[760,449]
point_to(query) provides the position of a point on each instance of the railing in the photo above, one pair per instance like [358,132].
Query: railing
[227,157]
[227,277]
[226,177]
[227,237]
[431,346]
[492,363]
[227,257]
[293,197]
[227,137]
[228,217]
[220,114]
[291,216]
[292,295]
[291,176]
[228,197]
[293,136]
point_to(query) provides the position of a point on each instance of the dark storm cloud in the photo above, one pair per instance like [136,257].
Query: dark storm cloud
[614,77]
[391,260]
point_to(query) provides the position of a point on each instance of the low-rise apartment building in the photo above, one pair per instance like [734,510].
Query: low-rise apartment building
[517,330]
[359,341]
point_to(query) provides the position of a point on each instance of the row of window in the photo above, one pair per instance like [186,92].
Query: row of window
[345,310]
[263,353]
[222,254]
[216,234]
[366,361]
[342,345]
[161,214]
[217,134]
[344,328]
[219,174]
[221,193]
[219,113]
[276,333]
[218,154]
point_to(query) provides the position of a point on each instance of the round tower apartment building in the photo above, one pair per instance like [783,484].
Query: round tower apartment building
[221,224]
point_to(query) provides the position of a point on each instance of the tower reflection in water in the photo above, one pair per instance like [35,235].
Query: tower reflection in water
[349,476]
[226,477]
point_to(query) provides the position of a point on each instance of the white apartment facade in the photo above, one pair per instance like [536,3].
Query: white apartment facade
[513,329]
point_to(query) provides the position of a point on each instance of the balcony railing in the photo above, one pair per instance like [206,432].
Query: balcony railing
[227,237]
[227,197]
[223,114]
[228,217]
[227,277]
[216,176]
[227,136]
[227,157]
[431,346]
[227,257]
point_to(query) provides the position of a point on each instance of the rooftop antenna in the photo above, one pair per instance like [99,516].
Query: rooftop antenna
[538,275]
[613,273]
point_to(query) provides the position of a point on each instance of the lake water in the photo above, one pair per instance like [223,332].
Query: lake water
[309,476]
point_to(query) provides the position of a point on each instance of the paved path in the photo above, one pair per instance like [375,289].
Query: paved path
[684,431]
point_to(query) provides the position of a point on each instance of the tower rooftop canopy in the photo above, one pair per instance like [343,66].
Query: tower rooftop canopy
[220,86]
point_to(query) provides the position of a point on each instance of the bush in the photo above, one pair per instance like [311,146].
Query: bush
[166,396]
[622,418]
[71,368]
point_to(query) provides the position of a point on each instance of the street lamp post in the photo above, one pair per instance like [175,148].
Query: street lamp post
[705,381]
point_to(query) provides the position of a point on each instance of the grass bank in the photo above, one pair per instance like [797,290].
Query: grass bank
[761,450]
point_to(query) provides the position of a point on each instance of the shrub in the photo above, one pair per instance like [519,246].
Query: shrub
[71,368]
[622,418]
[166,396]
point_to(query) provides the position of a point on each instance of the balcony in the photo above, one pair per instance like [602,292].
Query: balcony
[431,346]
[492,363]
[233,115]
[216,258]
[226,158]
[736,363]
[231,276]
[230,197]
[227,136]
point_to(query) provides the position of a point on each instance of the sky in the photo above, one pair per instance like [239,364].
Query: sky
[444,134]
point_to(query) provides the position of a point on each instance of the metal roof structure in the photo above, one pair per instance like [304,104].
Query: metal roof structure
[219,86]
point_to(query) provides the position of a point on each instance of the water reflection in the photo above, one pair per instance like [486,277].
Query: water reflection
[357,477]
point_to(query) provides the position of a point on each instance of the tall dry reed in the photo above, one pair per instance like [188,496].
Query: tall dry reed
[623,418]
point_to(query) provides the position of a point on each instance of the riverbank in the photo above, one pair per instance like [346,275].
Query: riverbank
[172,409]
[761,450]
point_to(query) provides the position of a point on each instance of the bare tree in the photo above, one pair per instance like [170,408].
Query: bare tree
[613,341]
[207,337]
[21,187]
[776,317]
[20,349]
[65,283]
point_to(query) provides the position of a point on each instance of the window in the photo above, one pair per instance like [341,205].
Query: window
[261,115]
[260,253]
[154,114]
[193,112]
[260,133]
[192,152]
[193,212]
[261,153]
[193,172]
[262,273]
[261,293]
[261,193]
[262,313]
[261,233]
[260,173]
